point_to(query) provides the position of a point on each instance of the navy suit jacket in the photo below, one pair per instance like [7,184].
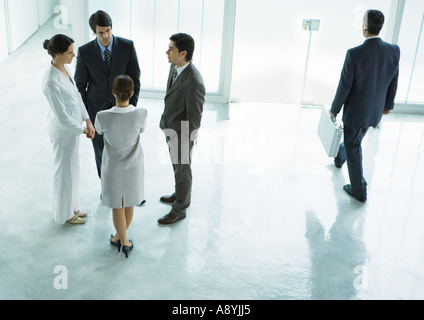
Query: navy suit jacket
[93,80]
[368,83]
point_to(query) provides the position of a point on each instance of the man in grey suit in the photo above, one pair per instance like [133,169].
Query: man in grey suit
[367,90]
[99,62]
[181,119]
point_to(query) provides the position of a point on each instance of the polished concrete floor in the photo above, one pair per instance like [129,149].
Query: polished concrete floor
[269,219]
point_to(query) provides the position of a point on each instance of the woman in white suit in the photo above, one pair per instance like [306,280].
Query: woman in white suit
[123,159]
[65,125]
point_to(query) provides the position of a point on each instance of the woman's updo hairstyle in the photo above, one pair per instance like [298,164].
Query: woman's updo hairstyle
[123,87]
[58,44]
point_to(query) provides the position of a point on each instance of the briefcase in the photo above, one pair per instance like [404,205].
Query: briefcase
[330,132]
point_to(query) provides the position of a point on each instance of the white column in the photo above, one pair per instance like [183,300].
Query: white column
[394,21]
[227,50]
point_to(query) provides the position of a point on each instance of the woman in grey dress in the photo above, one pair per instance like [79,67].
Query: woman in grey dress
[123,159]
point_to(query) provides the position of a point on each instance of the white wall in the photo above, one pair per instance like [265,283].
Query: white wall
[3,34]
[23,21]
[46,10]
[24,18]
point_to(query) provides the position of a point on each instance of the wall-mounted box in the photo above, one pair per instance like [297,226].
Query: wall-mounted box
[311,24]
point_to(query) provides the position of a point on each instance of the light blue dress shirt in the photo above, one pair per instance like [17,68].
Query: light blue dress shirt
[103,49]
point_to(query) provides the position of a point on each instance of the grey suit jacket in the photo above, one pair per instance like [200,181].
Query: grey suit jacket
[93,80]
[123,157]
[184,100]
[368,83]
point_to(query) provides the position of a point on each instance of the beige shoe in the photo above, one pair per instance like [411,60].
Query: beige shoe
[80,214]
[75,220]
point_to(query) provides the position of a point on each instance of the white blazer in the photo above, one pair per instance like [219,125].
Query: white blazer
[67,108]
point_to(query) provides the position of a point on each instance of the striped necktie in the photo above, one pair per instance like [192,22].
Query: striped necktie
[174,76]
[108,59]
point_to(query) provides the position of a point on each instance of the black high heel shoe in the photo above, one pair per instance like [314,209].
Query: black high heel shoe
[115,243]
[127,249]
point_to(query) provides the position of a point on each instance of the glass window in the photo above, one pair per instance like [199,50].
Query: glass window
[411,42]
[119,11]
[143,30]
[211,45]
[271,47]
[338,33]
[150,23]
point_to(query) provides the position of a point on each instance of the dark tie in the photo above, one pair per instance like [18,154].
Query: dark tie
[108,59]
[174,76]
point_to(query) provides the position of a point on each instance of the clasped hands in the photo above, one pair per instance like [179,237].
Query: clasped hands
[89,131]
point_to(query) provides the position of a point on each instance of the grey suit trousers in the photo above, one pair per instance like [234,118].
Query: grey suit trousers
[183,177]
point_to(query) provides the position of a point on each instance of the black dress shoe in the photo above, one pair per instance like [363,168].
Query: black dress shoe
[337,164]
[348,190]
[168,199]
[171,218]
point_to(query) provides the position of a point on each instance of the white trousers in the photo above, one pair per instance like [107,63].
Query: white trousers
[66,178]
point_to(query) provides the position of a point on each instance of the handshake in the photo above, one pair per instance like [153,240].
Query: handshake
[89,131]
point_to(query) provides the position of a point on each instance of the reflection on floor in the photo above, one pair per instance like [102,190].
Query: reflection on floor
[269,219]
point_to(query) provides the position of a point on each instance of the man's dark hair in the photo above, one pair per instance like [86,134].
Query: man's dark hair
[101,19]
[375,21]
[184,42]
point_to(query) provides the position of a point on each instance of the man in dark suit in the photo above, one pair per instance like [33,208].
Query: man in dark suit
[181,120]
[98,63]
[367,90]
